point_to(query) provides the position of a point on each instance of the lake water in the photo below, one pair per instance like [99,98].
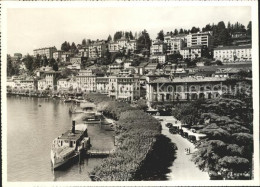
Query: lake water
[30,131]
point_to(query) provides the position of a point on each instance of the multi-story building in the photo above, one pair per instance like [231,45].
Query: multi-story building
[50,80]
[47,51]
[168,90]
[57,54]
[173,44]
[194,52]
[122,43]
[157,47]
[102,85]
[233,53]
[124,87]
[65,57]
[161,58]
[97,49]
[113,46]
[68,84]
[132,46]
[84,51]
[200,38]
[86,80]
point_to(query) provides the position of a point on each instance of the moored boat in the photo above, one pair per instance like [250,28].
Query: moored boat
[69,145]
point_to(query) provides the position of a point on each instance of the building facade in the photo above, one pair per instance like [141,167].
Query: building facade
[233,53]
[86,80]
[200,38]
[124,87]
[157,47]
[97,50]
[168,90]
[194,52]
[47,51]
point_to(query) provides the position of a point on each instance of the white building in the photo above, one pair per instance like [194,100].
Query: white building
[193,52]
[97,49]
[173,45]
[86,80]
[47,51]
[157,47]
[200,38]
[113,46]
[233,53]
[161,58]
[124,87]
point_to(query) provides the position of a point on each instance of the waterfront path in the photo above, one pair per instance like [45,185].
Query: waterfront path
[182,168]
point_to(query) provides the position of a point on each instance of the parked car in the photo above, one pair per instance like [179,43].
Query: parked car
[160,119]
[169,125]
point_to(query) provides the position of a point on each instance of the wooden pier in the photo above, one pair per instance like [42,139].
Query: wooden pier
[98,153]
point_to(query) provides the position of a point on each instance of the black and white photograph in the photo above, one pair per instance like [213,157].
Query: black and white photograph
[158,93]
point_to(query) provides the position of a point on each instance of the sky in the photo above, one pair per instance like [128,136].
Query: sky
[32,28]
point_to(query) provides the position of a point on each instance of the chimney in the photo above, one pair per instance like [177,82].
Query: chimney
[73,126]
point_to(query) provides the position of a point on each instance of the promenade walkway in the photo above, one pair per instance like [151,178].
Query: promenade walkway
[182,168]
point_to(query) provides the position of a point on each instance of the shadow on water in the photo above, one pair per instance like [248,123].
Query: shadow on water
[157,162]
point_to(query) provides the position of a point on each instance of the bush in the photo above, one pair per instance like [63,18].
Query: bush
[137,133]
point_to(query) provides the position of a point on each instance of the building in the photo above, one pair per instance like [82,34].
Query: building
[122,43]
[68,84]
[50,81]
[166,90]
[160,58]
[65,57]
[132,46]
[158,47]
[86,80]
[200,38]
[84,51]
[115,68]
[173,45]
[97,49]
[102,85]
[47,51]
[57,54]
[113,47]
[233,53]
[124,87]
[194,52]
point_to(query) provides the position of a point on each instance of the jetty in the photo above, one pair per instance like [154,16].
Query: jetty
[98,153]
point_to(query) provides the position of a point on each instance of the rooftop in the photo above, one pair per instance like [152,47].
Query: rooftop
[188,79]
[233,47]
[70,136]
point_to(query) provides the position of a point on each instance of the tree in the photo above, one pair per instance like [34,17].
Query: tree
[175,32]
[109,38]
[52,61]
[84,42]
[29,63]
[65,46]
[144,42]
[45,61]
[55,66]
[73,47]
[181,31]
[160,36]
[131,35]
[12,67]
[249,29]
[195,30]
[118,35]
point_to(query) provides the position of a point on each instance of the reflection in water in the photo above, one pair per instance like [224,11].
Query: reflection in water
[30,131]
